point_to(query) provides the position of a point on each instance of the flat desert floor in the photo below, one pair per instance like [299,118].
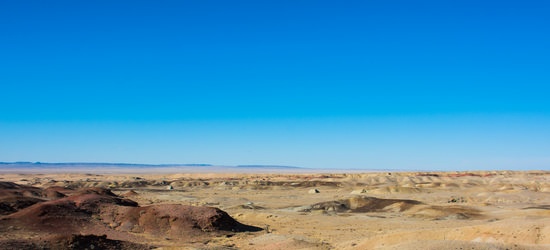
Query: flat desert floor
[386,210]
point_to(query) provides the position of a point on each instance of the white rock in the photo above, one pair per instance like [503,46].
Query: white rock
[313,191]
[360,191]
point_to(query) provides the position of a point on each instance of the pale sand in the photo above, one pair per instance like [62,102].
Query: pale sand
[454,210]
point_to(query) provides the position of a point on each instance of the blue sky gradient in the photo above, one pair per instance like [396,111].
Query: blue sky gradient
[447,85]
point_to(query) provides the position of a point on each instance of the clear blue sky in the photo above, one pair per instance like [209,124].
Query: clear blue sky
[448,85]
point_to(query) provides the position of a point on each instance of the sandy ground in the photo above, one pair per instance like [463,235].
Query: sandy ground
[397,210]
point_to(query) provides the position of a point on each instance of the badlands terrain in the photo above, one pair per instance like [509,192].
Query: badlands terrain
[385,210]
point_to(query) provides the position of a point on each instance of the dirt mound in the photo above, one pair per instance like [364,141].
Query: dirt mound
[62,190]
[69,213]
[13,189]
[371,204]
[52,194]
[12,204]
[413,208]
[14,197]
[99,211]
[95,190]
[266,184]
[8,185]
[10,189]
[394,189]
[60,216]
[93,202]
[362,204]
[80,208]
[133,184]
[174,220]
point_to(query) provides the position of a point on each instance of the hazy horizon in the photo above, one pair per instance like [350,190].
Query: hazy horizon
[424,85]
[137,168]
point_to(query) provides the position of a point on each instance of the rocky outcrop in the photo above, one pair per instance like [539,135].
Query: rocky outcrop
[99,211]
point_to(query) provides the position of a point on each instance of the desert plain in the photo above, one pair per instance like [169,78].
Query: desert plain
[275,210]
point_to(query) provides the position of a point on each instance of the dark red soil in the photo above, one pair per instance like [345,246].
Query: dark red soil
[14,197]
[73,242]
[53,213]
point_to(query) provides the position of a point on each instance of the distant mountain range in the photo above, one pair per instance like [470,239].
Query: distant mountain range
[193,167]
[265,166]
[28,164]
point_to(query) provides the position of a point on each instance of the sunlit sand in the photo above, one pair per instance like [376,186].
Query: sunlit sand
[381,210]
